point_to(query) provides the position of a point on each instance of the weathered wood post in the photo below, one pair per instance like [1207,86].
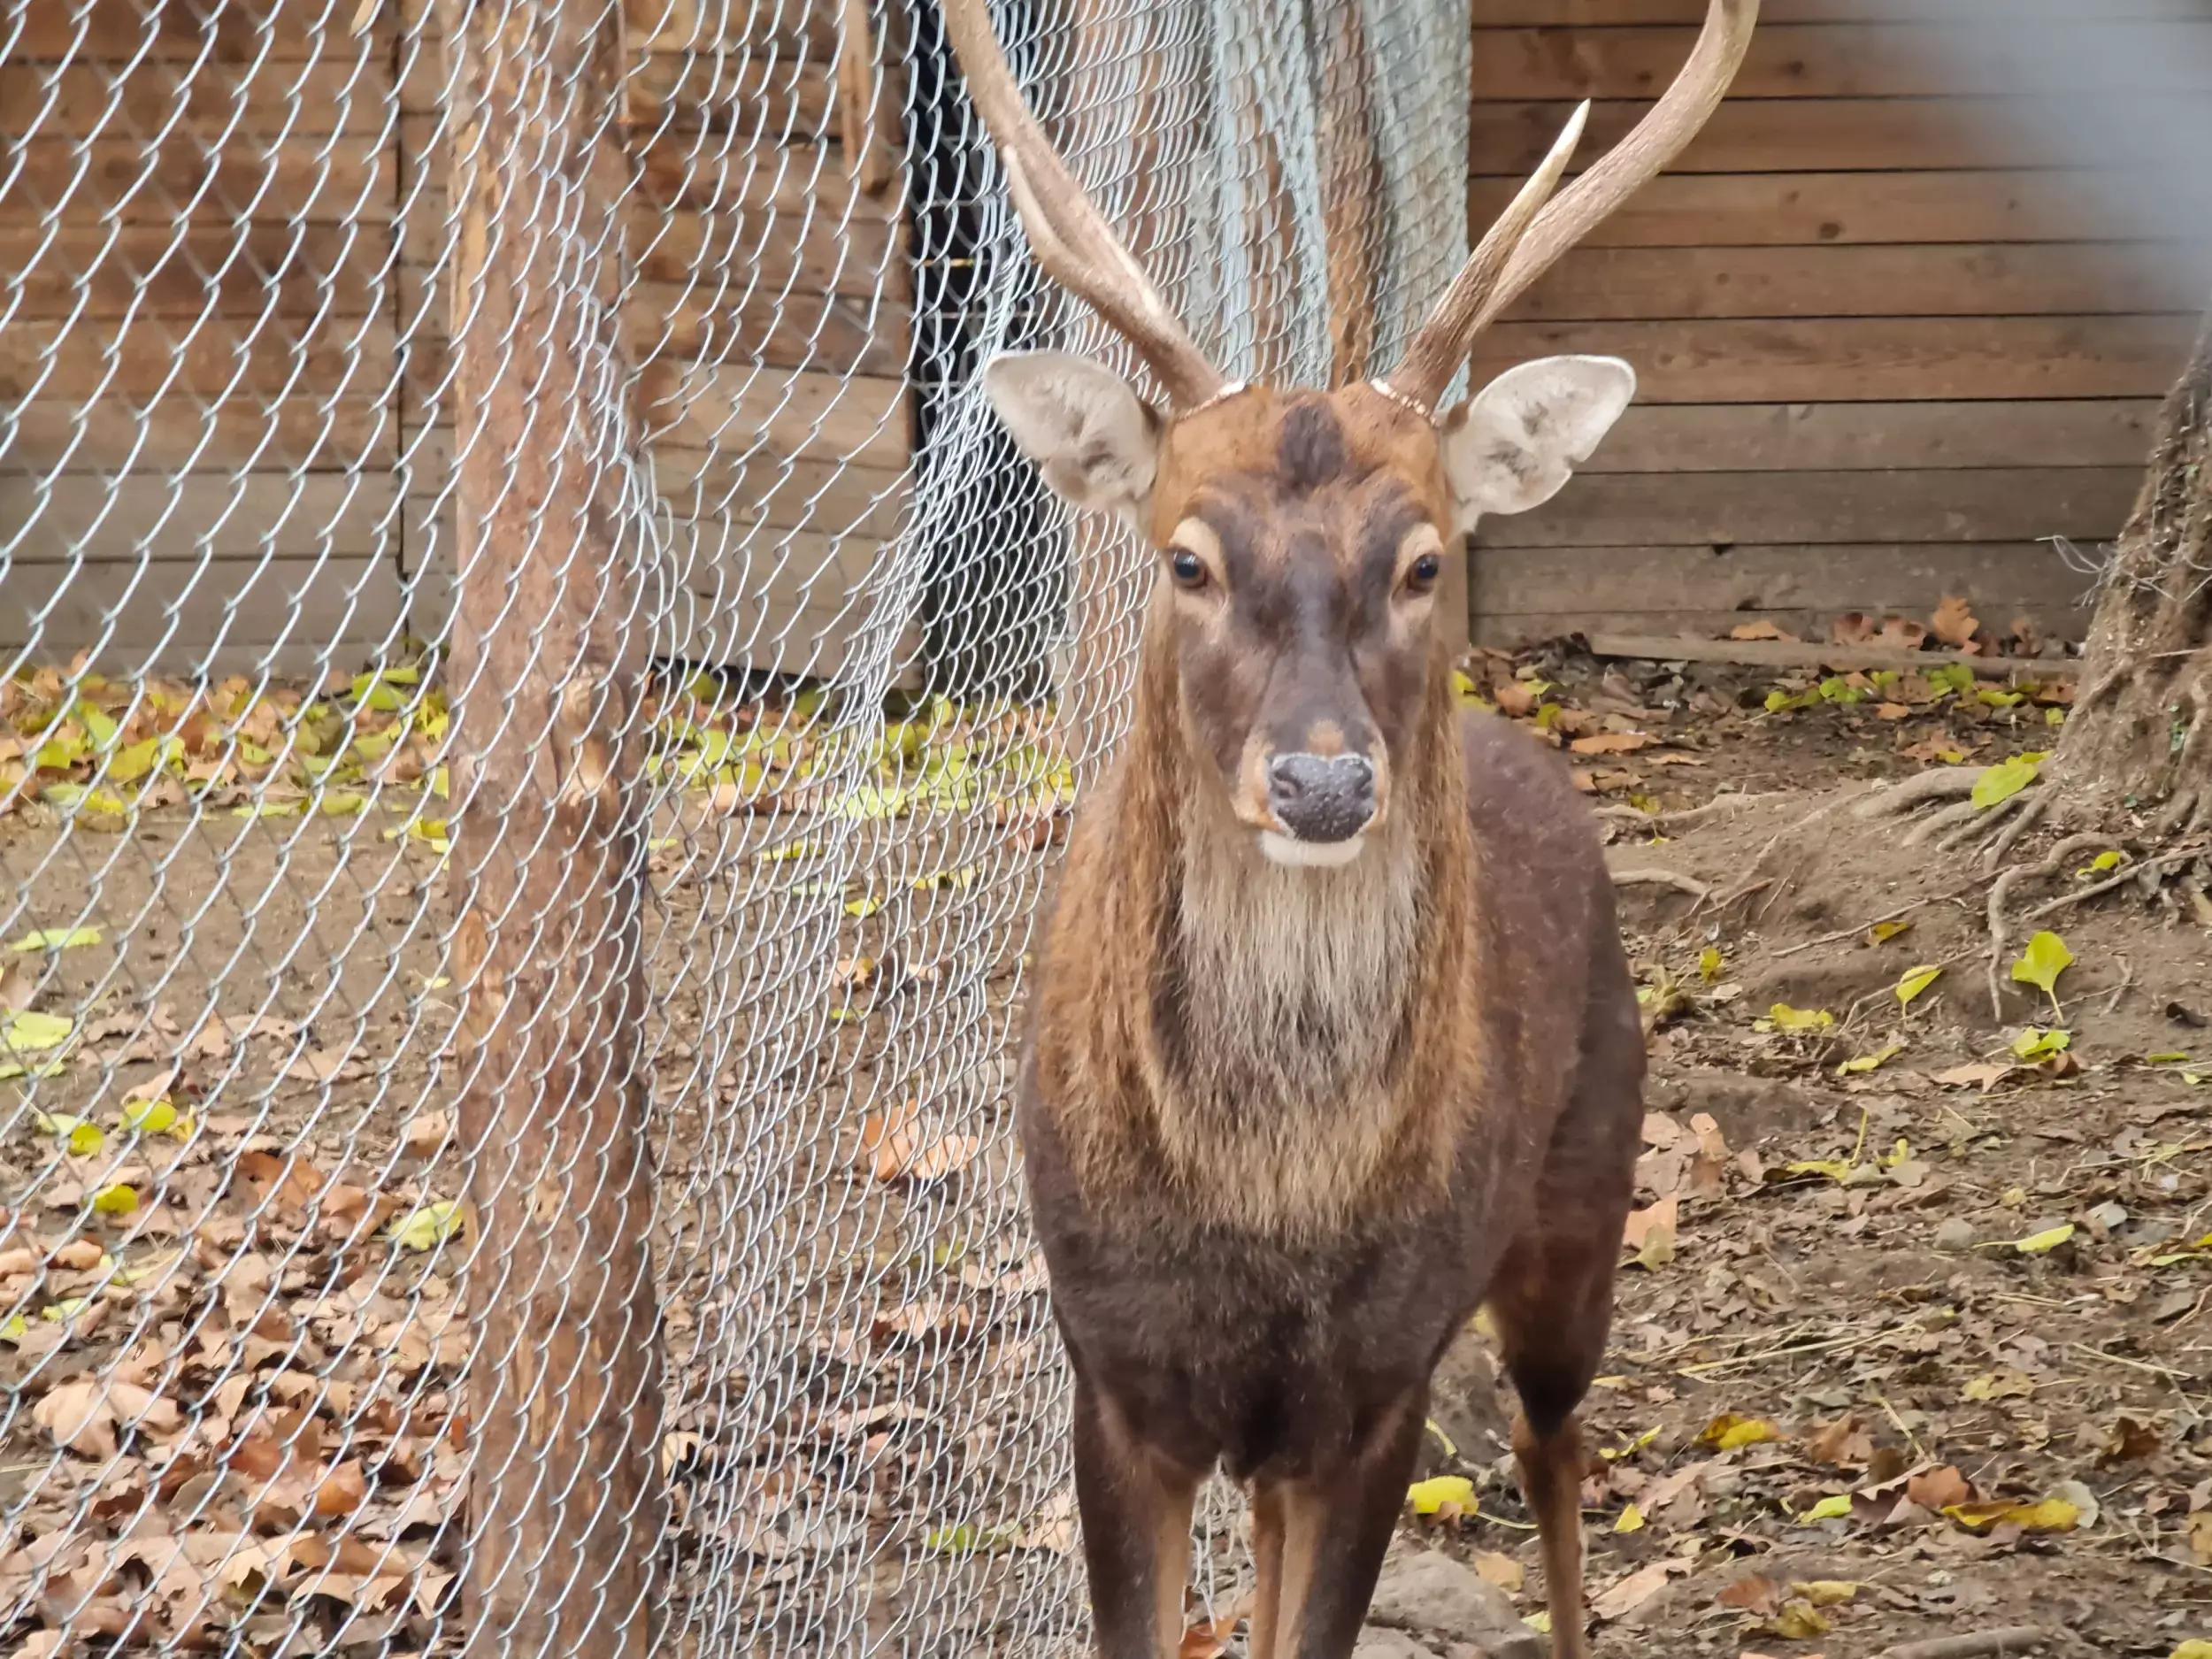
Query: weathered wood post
[566,1512]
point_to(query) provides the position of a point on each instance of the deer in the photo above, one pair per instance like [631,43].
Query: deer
[1332,1038]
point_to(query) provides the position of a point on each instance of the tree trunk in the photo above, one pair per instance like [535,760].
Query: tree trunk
[2139,738]
[566,1515]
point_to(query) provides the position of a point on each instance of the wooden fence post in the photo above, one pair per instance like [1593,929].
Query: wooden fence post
[566,1508]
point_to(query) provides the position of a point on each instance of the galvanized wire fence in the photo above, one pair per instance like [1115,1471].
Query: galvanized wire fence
[537,709]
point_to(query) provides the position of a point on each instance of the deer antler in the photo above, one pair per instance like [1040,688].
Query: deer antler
[1073,243]
[1529,236]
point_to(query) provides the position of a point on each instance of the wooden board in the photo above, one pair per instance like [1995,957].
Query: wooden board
[777,100]
[776,412]
[294,614]
[1997,579]
[1847,437]
[185,363]
[239,268]
[1880,60]
[1661,629]
[225,31]
[791,492]
[206,101]
[1699,210]
[188,520]
[106,435]
[1867,360]
[1680,510]
[792,598]
[1885,280]
[329,180]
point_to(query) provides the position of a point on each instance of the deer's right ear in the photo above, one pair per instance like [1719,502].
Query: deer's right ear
[1095,441]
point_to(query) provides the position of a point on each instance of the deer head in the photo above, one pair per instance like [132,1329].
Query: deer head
[1302,534]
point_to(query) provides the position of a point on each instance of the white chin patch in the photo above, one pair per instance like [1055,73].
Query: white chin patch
[1311,855]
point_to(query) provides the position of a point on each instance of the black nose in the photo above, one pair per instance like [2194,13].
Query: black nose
[1322,798]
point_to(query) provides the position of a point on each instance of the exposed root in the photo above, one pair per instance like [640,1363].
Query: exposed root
[1689,817]
[2029,816]
[2001,890]
[1656,877]
[1895,800]
[2132,873]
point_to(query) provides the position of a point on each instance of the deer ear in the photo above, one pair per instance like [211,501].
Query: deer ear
[1095,441]
[1513,444]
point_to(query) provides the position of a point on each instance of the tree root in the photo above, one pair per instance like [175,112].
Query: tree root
[1657,878]
[1689,817]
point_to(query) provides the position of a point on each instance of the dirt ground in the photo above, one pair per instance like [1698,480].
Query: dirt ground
[1912,1339]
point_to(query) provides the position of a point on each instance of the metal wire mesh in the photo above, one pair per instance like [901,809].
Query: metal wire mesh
[861,665]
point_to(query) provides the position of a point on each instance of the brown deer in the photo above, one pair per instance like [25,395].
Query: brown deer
[1332,1038]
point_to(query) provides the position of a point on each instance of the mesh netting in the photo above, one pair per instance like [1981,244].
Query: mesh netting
[539,707]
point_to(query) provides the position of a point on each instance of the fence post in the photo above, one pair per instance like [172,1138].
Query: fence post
[566,1508]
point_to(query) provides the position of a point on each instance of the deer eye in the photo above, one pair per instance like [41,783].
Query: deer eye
[1422,573]
[1188,569]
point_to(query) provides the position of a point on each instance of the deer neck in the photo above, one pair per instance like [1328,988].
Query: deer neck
[1282,999]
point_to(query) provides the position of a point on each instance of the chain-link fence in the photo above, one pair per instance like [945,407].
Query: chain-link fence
[538,707]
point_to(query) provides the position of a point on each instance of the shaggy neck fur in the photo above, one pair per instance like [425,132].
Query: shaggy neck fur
[1276,1073]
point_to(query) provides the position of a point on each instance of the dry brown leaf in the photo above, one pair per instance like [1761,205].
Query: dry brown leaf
[1983,1075]
[1893,711]
[1759,631]
[897,1146]
[1852,627]
[1751,1595]
[315,1066]
[1639,1588]
[80,1417]
[1514,697]
[1904,634]
[1650,1232]
[427,1132]
[1954,622]
[1612,743]
[1503,1570]
[1843,1444]
[1939,1488]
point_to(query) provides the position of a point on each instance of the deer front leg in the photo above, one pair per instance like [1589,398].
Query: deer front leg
[1135,1508]
[1319,1541]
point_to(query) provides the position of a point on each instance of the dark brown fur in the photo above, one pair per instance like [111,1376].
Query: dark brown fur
[1266,1216]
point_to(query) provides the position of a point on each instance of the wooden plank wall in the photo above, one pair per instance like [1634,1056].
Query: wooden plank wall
[1886,339]
[223,332]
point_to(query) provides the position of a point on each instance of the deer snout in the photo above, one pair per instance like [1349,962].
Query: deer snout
[1321,798]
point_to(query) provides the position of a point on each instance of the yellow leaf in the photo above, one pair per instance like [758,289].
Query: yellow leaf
[58,939]
[84,1137]
[26,1032]
[1882,933]
[1631,1520]
[1827,1591]
[1730,1433]
[1835,1507]
[1539,1621]
[788,851]
[2195,1648]
[1859,1064]
[61,1313]
[1916,980]
[2103,863]
[429,1227]
[14,1328]
[1711,964]
[1800,1621]
[2006,778]
[1782,1016]
[2052,1515]
[2045,958]
[862,906]
[119,1199]
[1429,1496]
[2035,1043]
[149,1116]
[2043,1244]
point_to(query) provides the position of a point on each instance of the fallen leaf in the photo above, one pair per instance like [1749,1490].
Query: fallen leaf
[2035,1042]
[1636,1589]
[1611,743]
[1758,630]
[1503,1570]
[896,1146]
[1916,980]
[2045,958]
[2043,1244]
[1800,1621]
[2051,1515]
[1835,1507]
[1651,1232]
[1980,1074]
[1953,622]
[1939,1488]
[1631,1520]
[2005,779]
[58,939]
[1782,1016]
[1430,1496]
[27,1032]
[1730,1433]
[80,1417]
[429,1226]
[1860,1065]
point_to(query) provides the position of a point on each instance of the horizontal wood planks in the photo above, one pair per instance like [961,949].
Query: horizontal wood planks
[1894,328]
[223,327]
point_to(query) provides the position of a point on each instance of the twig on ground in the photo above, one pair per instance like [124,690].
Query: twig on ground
[2125,876]
[1686,816]
[1847,933]
[2127,977]
[1975,1644]
[1655,877]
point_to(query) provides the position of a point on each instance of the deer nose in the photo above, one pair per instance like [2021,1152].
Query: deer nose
[1322,798]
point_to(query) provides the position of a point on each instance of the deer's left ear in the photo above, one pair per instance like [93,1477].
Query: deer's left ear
[1513,444]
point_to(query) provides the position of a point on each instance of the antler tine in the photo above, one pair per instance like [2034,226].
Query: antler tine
[1436,351]
[1657,139]
[1074,245]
